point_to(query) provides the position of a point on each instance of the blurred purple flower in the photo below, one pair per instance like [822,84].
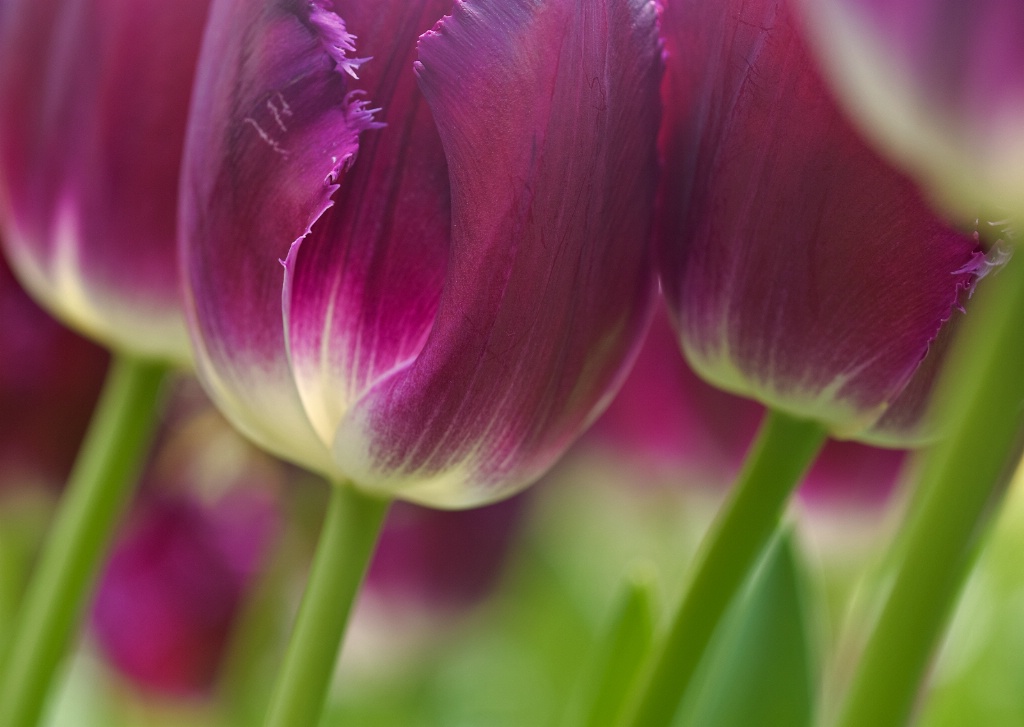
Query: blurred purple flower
[174,584]
[50,379]
[461,299]
[665,415]
[436,559]
[799,267]
[940,83]
[93,103]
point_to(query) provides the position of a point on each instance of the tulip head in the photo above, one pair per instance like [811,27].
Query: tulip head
[800,268]
[93,104]
[173,587]
[940,84]
[460,298]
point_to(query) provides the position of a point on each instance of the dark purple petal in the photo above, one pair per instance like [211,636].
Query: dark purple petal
[93,103]
[801,269]
[941,84]
[548,113]
[362,289]
[274,124]
[50,379]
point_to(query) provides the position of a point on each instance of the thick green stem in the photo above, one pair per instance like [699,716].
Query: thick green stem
[100,487]
[981,400]
[347,540]
[784,450]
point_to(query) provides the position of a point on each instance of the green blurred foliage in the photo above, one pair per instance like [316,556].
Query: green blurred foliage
[762,666]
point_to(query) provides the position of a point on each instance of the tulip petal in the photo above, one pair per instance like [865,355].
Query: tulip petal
[362,289]
[548,114]
[940,83]
[801,269]
[274,124]
[93,104]
[668,426]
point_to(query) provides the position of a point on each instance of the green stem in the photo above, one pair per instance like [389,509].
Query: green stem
[97,493]
[784,449]
[981,399]
[349,534]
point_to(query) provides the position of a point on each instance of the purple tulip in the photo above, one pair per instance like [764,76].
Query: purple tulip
[666,417]
[173,586]
[50,379]
[93,104]
[461,298]
[940,83]
[800,268]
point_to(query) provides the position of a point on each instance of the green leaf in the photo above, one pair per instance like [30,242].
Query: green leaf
[609,678]
[760,670]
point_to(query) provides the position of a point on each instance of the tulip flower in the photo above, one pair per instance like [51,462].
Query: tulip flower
[49,381]
[93,102]
[940,85]
[801,269]
[457,301]
[461,297]
[93,106]
[173,587]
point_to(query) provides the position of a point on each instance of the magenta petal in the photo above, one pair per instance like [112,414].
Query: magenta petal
[170,595]
[362,289]
[801,269]
[274,123]
[93,103]
[941,84]
[548,114]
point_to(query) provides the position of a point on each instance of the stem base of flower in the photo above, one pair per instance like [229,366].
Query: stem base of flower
[350,530]
[784,450]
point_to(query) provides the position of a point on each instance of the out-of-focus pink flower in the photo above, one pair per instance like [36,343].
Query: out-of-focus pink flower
[93,103]
[49,381]
[940,83]
[174,584]
[799,267]
[435,559]
[461,298]
[666,416]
